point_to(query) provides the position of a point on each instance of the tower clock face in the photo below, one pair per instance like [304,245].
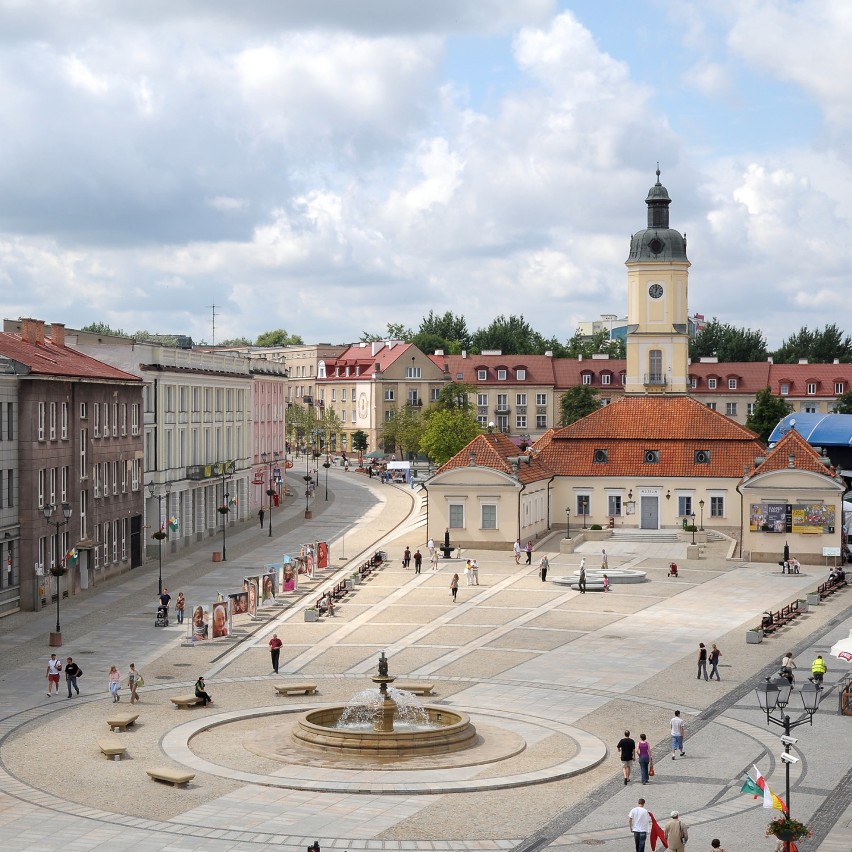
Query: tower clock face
[655,291]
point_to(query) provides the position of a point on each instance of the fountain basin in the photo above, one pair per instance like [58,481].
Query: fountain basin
[445,731]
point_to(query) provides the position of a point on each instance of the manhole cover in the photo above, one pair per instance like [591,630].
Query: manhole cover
[164,677]
[182,665]
[593,842]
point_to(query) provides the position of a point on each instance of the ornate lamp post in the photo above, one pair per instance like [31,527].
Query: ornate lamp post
[161,533]
[58,568]
[567,523]
[775,695]
[701,506]
[692,518]
[270,461]
[326,464]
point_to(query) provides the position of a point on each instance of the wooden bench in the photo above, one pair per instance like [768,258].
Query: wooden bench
[295,688]
[417,687]
[177,777]
[122,723]
[185,701]
[112,747]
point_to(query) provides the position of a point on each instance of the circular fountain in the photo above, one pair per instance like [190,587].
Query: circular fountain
[386,723]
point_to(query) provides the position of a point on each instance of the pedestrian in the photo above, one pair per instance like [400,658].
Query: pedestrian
[54,667]
[406,557]
[114,683]
[516,549]
[134,680]
[474,569]
[201,692]
[468,574]
[604,561]
[72,672]
[716,844]
[787,666]
[639,822]
[418,560]
[646,761]
[581,585]
[261,514]
[165,599]
[702,661]
[275,651]
[454,586]
[606,583]
[676,833]
[434,559]
[818,670]
[678,728]
[431,545]
[180,607]
[715,653]
[543,565]
[627,749]
[529,550]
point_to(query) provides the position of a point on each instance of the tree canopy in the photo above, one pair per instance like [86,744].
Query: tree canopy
[728,343]
[820,346]
[768,411]
[447,431]
[576,403]
[278,337]
[454,395]
[402,432]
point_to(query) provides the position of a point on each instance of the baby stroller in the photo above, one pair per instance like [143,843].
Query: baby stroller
[672,569]
[162,617]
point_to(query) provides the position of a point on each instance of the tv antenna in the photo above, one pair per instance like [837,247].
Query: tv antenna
[213,308]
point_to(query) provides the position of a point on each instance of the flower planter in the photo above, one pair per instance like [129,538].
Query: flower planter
[813,598]
[754,637]
[803,605]
[350,585]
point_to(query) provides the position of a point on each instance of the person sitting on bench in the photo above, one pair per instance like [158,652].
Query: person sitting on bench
[201,692]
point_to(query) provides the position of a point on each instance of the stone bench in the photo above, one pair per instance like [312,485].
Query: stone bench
[416,687]
[122,723]
[591,585]
[176,777]
[112,747]
[292,688]
[185,701]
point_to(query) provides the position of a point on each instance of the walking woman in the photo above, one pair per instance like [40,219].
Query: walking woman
[645,759]
[114,683]
[180,607]
[454,586]
[134,680]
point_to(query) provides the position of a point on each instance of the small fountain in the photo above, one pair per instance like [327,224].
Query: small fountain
[386,723]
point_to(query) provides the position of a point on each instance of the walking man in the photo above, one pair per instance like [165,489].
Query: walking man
[431,545]
[678,729]
[275,651]
[543,565]
[260,516]
[72,672]
[676,833]
[702,661]
[434,559]
[639,821]
[715,653]
[582,583]
[627,747]
[54,667]
[529,552]
[604,561]
[406,557]
[516,549]
[418,560]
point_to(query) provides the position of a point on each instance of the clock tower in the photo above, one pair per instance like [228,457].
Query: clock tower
[657,314]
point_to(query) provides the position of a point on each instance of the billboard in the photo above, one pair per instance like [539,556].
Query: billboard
[813,518]
[768,517]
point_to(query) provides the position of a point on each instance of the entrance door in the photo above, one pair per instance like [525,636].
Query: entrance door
[136,541]
[650,517]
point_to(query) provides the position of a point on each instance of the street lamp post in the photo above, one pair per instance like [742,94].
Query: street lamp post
[692,518]
[701,506]
[585,509]
[775,695]
[567,523]
[270,462]
[58,568]
[161,532]
[326,464]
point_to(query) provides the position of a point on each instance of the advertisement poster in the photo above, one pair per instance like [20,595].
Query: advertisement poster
[239,603]
[251,585]
[813,518]
[221,621]
[269,584]
[290,576]
[200,623]
[306,552]
[768,517]
[322,554]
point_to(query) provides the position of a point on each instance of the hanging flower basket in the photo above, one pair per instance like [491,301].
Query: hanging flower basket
[159,535]
[787,828]
[222,510]
[307,478]
[326,465]
[270,492]
[58,571]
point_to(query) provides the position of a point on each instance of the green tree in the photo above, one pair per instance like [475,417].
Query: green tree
[511,335]
[448,332]
[728,343]
[843,404]
[576,403]
[453,395]
[448,431]
[359,441]
[820,346]
[395,331]
[301,420]
[328,423]
[599,343]
[768,410]
[103,328]
[235,341]
[401,434]
[277,337]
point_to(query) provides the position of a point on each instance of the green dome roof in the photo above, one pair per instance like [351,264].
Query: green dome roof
[658,241]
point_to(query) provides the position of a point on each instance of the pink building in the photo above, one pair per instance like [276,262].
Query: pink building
[269,405]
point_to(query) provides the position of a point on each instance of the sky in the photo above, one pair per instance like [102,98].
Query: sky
[331,166]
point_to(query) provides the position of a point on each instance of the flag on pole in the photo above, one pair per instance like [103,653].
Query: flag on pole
[770,800]
[750,787]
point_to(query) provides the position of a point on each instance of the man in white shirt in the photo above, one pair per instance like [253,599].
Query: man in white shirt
[639,821]
[54,667]
[677,734]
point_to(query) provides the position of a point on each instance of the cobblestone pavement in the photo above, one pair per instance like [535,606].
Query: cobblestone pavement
[551,678]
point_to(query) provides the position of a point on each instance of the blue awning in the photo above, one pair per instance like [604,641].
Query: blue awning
[819,430]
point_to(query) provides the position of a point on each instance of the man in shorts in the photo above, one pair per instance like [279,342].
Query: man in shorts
[677,734]
[54,667]
[627,748]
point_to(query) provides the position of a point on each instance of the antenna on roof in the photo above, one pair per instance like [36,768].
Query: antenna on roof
[213,308]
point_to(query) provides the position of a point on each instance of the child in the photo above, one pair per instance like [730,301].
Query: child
[716,844]
[606,583]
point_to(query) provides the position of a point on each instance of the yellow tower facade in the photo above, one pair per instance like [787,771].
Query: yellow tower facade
[657,309]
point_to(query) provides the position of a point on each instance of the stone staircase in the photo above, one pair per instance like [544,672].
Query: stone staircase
[647,536]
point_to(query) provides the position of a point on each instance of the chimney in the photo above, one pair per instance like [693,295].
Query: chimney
[32,330]
[464,353]
[439,351]
[473,459]
[57,333]
[803,360]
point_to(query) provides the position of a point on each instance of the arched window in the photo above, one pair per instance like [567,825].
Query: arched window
[655,366]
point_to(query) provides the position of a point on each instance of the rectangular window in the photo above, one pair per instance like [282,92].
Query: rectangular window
[96,480]
[541,421]
[482,375]
[684,505]
[115,478]
[52,478]
[785,389]
[614,505]
[115,541]
[838,388]
[456,516]
[343,394]
[96,425]
[42,484]
[482,399]
[106,479]
[84,442]
[584,503]
[520,398]
[123,465]
[749,408]
[521,375]
[541,399]
[124,539]
[412,397]
[134,418]
[731,409]
[711,406]
[115,420]
[84,503]
[106,420]
[693,382]
[587,378]
[10,487]
[389,415]
[502,402]
[134,475]
[489,516]
[52,421]
[811,388]
[606,378]
[501,375]
[63,422]
[343,416]
[124,418]
[520,421]
[83,411]
[435,394]
[412,372]
[389,395]
[732,384]
[41,416]
[711,383]
[64,479]
[717,507]
[809,409]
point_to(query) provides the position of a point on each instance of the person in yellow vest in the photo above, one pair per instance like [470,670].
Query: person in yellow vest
[818,669]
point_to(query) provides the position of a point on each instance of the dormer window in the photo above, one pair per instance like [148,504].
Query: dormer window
[732,384]
[785,388]
[501,375]
[606,378]
[482,375]
[693,382]
[711,384]
[587,378]
[812,388]
[520,375]
[624,379]
[838,388]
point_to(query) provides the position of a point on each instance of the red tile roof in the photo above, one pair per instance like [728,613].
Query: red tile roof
[492,451]
[798,376]
[359,355]
[570,371]
[539,368]
[751,376]
[674,427]
[47,359]
[805,457]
